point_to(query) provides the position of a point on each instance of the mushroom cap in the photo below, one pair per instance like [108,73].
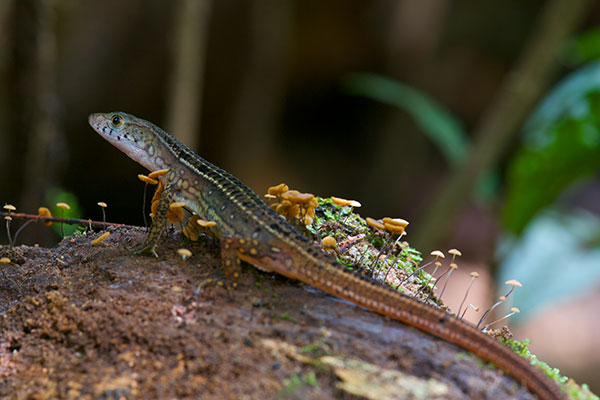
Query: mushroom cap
[148,180]
[45,212]
[184,253]
[174,215]
[9,207]
[157,173]
[374,223]
[394,229]
[344,202]
[158,192]
[277,190]
[190,232]
[438,253]
[64,206]
[102,204]
[329,242]
[455,252]
[100,238]
[395,221]
[176,204]
[513,282]
[297,197]
[206,224]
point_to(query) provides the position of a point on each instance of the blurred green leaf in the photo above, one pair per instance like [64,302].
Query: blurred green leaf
[586,47]
[561,146]
[552,258]
[59,195]
[442,128]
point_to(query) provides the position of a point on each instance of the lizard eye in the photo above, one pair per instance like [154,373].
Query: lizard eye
[117,121]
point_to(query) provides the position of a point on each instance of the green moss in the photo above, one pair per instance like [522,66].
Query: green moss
[285,316]
[361,244]
[574,390]
[294,382]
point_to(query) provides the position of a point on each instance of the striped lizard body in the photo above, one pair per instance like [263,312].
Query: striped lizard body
[250,231]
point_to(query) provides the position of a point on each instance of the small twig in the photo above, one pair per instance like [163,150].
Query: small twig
[70,221]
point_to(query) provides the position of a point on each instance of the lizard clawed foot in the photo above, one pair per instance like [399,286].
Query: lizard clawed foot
[146,248]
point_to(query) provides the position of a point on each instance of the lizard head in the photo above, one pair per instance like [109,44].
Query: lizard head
[132,135]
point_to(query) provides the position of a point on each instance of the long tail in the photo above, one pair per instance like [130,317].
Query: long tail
[368,293]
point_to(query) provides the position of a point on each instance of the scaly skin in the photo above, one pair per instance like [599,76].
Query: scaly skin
[252,232]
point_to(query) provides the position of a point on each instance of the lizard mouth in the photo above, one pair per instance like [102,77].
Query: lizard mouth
[123,133]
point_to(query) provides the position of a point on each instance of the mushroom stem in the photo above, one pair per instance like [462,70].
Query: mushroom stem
[20,229]
[8,219]
[474,275]
[451,267]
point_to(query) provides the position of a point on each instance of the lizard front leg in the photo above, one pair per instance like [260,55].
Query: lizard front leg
[159,223]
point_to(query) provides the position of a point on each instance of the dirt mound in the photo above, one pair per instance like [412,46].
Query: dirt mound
[85,322]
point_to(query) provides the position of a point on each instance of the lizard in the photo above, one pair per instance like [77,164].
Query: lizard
[250,231]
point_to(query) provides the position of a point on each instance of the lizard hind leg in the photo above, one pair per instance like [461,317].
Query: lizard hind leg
[235,249]
[262,256]
[230,259]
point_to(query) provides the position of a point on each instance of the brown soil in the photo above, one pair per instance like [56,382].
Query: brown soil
[81,322]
